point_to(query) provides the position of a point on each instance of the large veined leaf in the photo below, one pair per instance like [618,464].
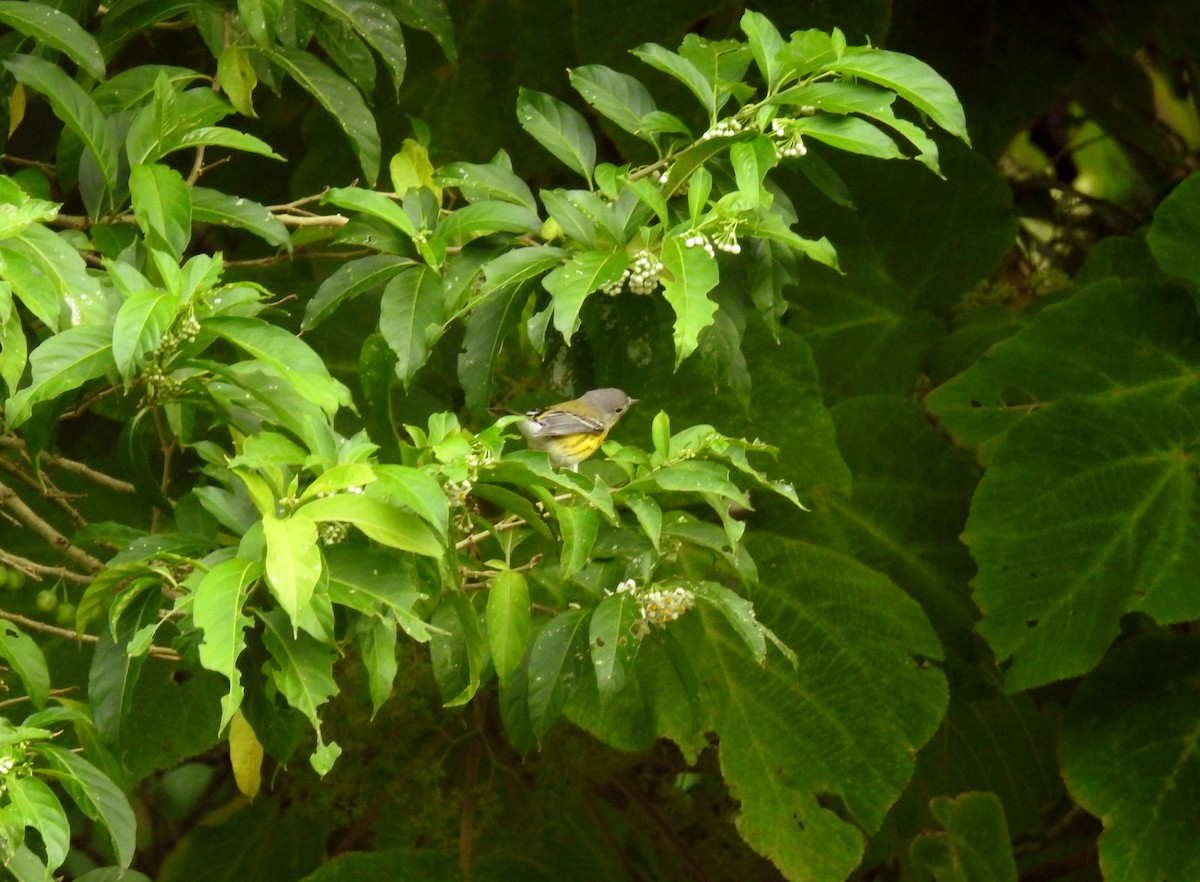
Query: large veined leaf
[974,847]
[342,101]
[618,96]
[508,622]
[858,639]
[24,656]
[488,326]
[682,69]
[1129,756]
[51,278]
[1087,511]
[302,671]
[34,799]
[1176,229]
[382,522]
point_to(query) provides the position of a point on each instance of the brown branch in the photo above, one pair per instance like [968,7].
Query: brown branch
[160,652]
[197,165]
[70,465]
[48,491]
[66,690]
[285,258]
[38,571]
[466,834]
[313,220]
[46,531]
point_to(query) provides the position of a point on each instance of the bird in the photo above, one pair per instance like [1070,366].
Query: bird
[573,430]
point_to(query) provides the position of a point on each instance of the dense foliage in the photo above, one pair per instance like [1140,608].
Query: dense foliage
[888,575]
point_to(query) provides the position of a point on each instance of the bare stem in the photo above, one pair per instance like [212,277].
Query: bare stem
[39,571]
[160,652]
[70,465]
[46,531]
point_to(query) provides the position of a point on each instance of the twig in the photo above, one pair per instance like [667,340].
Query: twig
[311,255]
[48,491]
[297,203]
[44,529]
[45,168]
[466,833]
[161,652]
[197,166]
[38,571]
[313,220]
[66,690]
[70,465]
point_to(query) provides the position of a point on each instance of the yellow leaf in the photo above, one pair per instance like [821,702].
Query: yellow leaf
[16,108]
[412,170]
[245,755]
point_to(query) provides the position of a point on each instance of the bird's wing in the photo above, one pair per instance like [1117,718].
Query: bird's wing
[558,423]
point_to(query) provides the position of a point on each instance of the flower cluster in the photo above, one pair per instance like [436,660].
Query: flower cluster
[696,239]
[790,145]
[457,493]
[723,129]
[658,607]
[642,275]
[332,532]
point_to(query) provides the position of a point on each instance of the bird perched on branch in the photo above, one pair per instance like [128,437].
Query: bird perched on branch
[572,431]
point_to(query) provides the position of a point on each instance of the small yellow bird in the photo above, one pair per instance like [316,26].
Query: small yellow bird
[572,431]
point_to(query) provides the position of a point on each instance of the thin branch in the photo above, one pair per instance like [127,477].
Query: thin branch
[39,571]
[466,833]
[197,166]
[160,652]
[70,465]
[285,258]
[313,220]
[46,531]
[9,702]
[48,490]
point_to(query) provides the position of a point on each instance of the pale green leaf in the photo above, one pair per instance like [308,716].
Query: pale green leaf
[559,128]
[217,611]
[690,274]
[507,622]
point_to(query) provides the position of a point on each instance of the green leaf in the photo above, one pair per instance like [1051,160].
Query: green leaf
[570,285]
[913,80]
[851,134]
[369,579]
[237,76]
[410,318]
[374,23]
[975,846]
[376,641]
[508,622]
[1090,505]
[649,515]
[217,611]
[776,722]
[767,46]
[751,161]
[1176,229]
[1128,745]
[293,561]
[302,670]
[690,274]
[349,280]
[520,265]
[74,107]
[682,69]
[433,17]
[34,799]
[380,521]
[214,207]
[18,216]
[219,136]
[97,796]
[25,657]
[342,101]
[162,206]
[490,323]
[292,359]
[579,527]
[618,96]
[371,203]
[51,278]
[484,219]
[483,182]
[61,364]
[557,662]
[612,640]
[415,489]
[462,641]
[117,663]
[559,128]
[141,322]
[53,29]
[738,612]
